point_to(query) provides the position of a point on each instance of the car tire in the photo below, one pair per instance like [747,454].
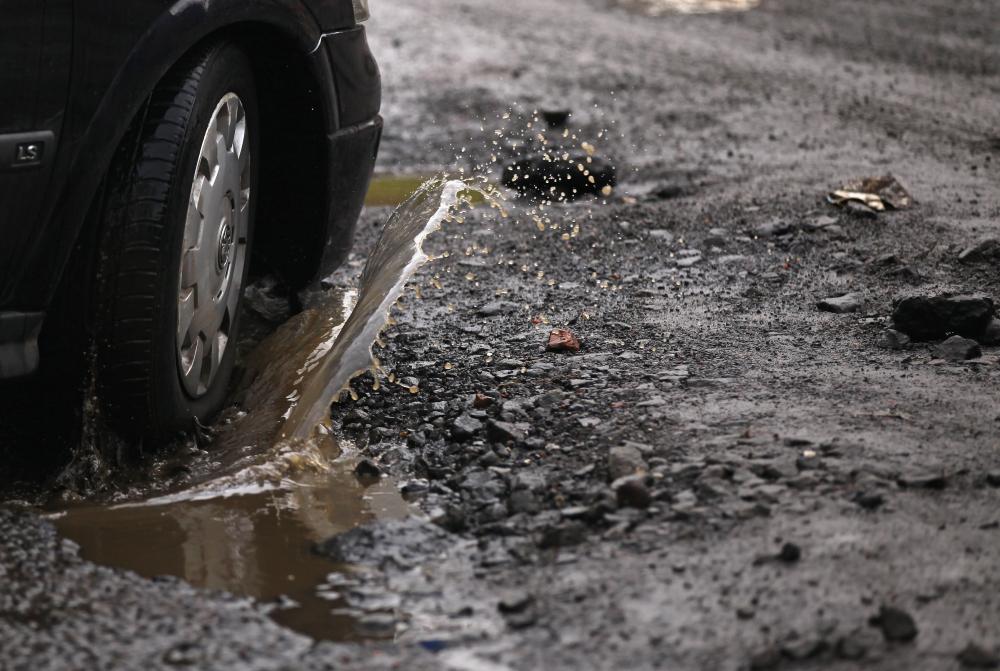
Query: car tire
[177,222]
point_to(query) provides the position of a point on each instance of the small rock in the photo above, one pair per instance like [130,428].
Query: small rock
[631,492]
[494,308]
[993,478]
[933,317]
[773,228]
[840,304]
[717,237]
[414,488]
[522,501]
[555,118]
[562,340]
[465,426]
[661,234]
[515,602]
[564,535]
[766,659]
[983,251]
[790,553]
[851,647]
[804,648]
[367,469]
[977,657]
[895,624]
[957,348]
[869,500]
[923,480]
[625,460]
[518,610]
[356,416]
[859,210]
[990,337]
[481,401]
[820,223]
[893,339]
[504,432]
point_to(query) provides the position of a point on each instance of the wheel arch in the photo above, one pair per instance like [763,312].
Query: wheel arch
[282,40]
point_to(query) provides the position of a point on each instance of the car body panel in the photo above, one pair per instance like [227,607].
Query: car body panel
[97,61]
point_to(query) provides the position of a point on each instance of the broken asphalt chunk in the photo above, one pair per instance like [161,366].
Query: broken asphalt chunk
[934,317]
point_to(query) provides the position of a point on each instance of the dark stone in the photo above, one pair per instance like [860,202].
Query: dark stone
[957,348]
[840,304]
[625,460]
[983,251]
[766,659]
[993,478]
[414,488]
[859,210]
[851,647]
[405,543]
[515,602]
[805,648]
[564,535]
[773,228]
[933,317]
[522,501]
[556,118]
[923,480]
[977,657]
[504,432]
[990,337]
[790,552]
[367,469]
[495,308]
[465,426]
[895,624]
[535,176]
[356,416]
[893,339]
[632,492]
[869,500]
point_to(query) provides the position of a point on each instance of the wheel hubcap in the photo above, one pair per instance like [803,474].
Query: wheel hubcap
[214,249]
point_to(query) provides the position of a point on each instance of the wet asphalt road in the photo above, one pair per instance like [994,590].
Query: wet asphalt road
[761,420]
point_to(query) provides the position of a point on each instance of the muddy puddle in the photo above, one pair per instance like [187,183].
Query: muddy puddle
[242,513]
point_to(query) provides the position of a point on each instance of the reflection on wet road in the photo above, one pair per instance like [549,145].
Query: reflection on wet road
[660,7]
[256,545]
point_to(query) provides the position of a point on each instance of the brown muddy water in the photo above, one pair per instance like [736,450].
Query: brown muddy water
[243,514]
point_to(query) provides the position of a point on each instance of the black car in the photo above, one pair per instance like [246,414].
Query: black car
[146,146]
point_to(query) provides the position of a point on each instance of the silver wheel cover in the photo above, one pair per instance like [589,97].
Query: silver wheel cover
[214,249]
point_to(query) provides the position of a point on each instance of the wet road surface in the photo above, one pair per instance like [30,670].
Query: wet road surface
[760,420]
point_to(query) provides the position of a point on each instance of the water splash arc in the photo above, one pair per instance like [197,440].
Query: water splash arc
[395,258]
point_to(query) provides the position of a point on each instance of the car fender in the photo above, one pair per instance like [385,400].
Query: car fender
[159,48]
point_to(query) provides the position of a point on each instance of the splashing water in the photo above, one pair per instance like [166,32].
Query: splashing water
[397,255]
